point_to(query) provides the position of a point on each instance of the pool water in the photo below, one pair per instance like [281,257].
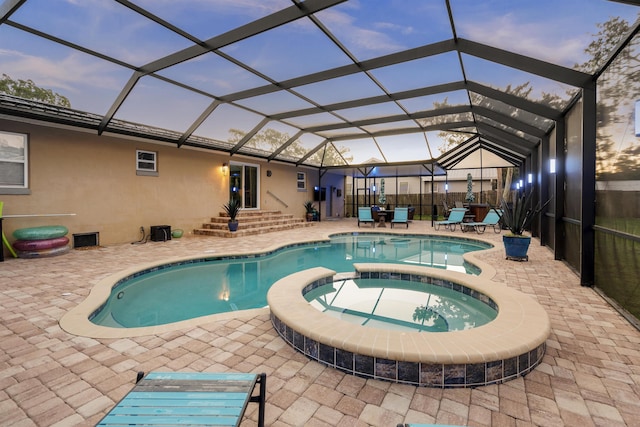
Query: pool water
[221,284]
[400,305]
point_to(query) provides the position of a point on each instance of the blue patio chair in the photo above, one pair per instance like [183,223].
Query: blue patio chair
[455,217]
[364,215]
[491,219]
[400,216]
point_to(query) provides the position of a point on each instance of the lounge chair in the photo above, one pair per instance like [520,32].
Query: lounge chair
[400,216]
[455,217]
[188,398]
[364,215]
[492,219]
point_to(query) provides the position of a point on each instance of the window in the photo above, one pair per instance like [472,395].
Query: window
[302,181]
[146,163]
[14,163]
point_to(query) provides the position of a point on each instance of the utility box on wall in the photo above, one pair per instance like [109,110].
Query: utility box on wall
[160,233]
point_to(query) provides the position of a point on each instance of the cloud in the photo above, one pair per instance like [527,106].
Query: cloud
[71,73]
[546,41]
[358,38]
[404,30]
[250,8]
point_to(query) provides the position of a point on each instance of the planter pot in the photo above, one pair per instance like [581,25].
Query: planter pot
[233,226]
[516,247]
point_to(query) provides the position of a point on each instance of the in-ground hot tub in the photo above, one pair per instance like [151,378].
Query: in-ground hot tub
[507,347]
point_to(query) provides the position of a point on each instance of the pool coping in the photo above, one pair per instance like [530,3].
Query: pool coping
[516,337]
[521,323]
[76,320]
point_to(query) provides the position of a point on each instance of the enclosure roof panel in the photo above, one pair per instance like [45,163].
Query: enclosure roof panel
[322,83]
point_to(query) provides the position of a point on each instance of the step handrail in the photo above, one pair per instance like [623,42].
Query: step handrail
[277,198]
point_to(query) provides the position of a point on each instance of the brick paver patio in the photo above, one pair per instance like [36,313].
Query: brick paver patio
[590,375]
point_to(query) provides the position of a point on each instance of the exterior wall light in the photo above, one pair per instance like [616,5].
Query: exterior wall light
[552,165]
[530,178]
[225,169]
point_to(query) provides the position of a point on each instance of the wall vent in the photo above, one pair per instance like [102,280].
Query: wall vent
[85,240]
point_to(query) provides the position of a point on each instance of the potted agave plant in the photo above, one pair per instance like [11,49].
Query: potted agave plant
[517,218]
[232,208]
[310,209]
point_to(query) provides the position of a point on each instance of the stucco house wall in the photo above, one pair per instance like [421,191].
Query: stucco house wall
[94,177]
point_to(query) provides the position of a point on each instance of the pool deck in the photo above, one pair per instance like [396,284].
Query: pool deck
[590,375]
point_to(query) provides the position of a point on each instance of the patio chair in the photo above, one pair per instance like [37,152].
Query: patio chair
[189,398]
[364,215]
[455,217]
[374,213]
[400,216]
[491,219]
[459,204]
[447,209]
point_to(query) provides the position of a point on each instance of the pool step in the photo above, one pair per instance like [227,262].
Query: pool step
[251,222]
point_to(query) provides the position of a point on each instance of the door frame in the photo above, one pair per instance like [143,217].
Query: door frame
[243,184]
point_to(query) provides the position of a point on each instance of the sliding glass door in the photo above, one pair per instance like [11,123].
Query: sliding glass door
[244,184]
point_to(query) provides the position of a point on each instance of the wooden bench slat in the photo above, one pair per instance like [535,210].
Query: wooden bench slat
[157,421]
[183,403]
[197,411]
[161,388]
[208,376]
[177,395]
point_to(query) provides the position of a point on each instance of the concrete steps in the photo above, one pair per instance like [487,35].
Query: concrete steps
[251,222]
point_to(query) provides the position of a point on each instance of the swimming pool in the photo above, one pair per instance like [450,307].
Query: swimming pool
[184,290]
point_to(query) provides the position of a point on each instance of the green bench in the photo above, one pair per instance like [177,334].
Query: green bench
[174,398]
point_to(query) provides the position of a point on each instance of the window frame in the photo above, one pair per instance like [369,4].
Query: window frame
[145,171]
[301,178]
[24,187]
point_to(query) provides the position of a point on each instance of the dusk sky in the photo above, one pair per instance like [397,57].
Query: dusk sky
[554,31]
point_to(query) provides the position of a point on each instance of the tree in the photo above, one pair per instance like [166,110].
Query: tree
[450,139]
[618,88]
[269,140]
[523,90]
[27,89]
